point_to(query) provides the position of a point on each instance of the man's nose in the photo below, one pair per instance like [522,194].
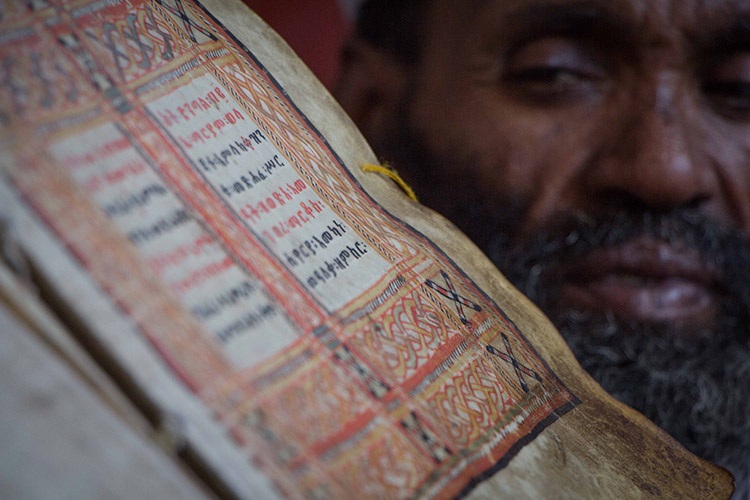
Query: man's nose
[652,157]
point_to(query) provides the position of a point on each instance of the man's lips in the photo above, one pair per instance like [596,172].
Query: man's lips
[644,280]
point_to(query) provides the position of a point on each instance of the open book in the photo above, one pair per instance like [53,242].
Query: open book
[259,317]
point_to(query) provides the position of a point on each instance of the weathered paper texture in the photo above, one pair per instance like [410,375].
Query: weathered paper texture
[193,196]
[60,439]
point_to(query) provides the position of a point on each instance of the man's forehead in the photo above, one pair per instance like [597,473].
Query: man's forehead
[688,16]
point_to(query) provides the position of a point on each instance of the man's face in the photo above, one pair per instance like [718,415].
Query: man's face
[599,151]
[569,110]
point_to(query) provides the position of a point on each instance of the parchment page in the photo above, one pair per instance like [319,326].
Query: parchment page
[183,205]
[60,437]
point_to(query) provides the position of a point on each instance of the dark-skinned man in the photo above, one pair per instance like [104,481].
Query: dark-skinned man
[599,152]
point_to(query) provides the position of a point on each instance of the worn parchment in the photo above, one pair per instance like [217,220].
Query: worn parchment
[194,195]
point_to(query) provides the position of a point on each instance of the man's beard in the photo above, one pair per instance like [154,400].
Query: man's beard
[693,384]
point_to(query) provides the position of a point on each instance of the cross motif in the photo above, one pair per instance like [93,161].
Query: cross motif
[449,291]
[519,368]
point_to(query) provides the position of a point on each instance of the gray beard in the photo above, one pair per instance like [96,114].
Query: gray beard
[693,384]
[694,388]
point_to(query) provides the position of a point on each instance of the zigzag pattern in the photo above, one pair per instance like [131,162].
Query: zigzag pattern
[404,339]
[39,83]
[390,467]
[316,404]
[471,402]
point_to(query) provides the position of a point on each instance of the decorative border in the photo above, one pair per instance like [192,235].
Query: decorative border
[421,386]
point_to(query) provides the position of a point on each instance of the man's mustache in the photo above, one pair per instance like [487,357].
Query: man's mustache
[535,265]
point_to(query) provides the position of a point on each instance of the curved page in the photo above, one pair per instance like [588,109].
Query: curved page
[194,198]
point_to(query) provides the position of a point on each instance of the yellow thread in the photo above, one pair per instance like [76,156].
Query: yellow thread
[391,173]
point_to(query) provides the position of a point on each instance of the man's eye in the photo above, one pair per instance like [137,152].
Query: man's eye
[552,69]
[728,86]
[554,76]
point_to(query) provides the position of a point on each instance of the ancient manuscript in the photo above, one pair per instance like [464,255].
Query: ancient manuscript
[192,205]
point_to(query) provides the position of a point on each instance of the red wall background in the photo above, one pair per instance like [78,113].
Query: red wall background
[315,29]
